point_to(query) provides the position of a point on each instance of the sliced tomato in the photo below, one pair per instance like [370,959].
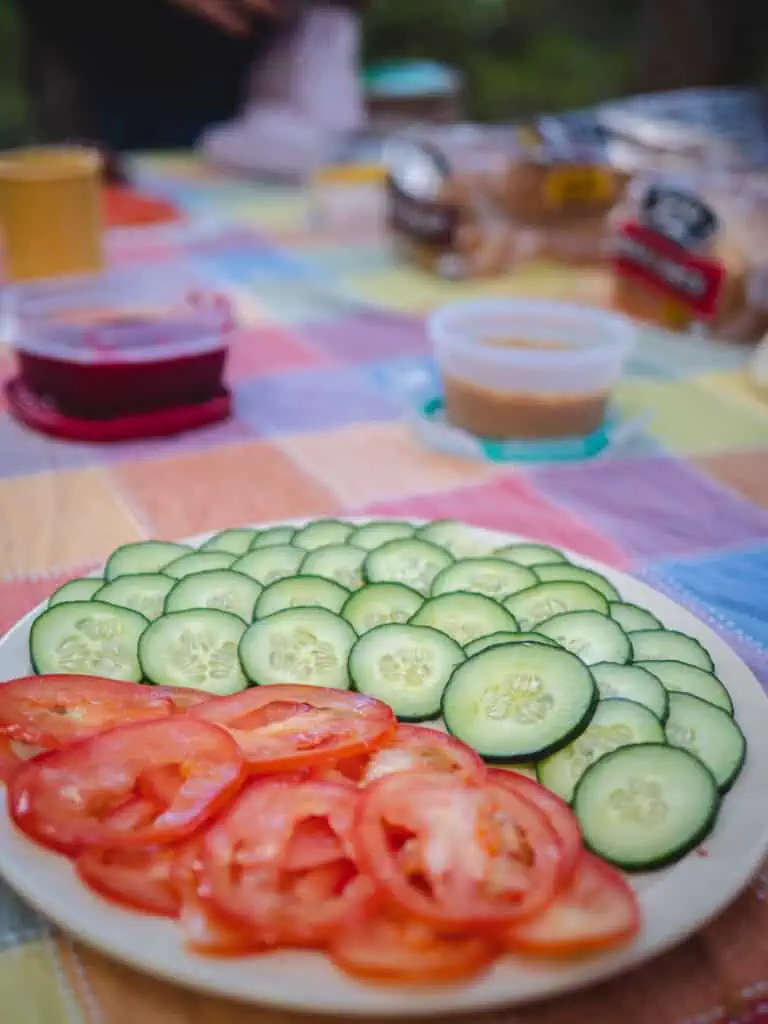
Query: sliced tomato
[9,758]
[457,854]
[280,728]
[69,799]
[137,878]
[54,711]
[387,946]
[596,911]
[558,814]
[249,874]
[183,698]
[417,748]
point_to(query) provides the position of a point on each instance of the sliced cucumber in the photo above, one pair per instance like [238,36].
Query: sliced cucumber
[87,638]
[667,645]
[301,592]
[198,561]
[709,734]
[234,542]
[493,577]
[464,617]
[520,701]
[322,532]
[299,645]
[195,648]
[405,666]
[504,637]
[458,539]
[224,589]
[631,618]
[378,603]
[412,561]
[271,563]
[530,554]
[678,677]
[646,806]
[591,636]
[273,536]
[550,571]
[144,592]
[615,723]
[339,562]
[539,603]
[143,556]
[630,682]
[76,590]
[373,535]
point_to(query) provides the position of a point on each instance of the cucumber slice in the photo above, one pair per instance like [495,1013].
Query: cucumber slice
[144,593]
[373,535]
[234,542]
[411,561]
[299,645]
[271,563]
[321,533]
[195,648]
[646,806]
[519,702]
[565,571]
[339,562]
[530,554]
[497,639]
[405,666]
[615,723]
[224,589]
[143,556]
[539,603]
[458,539]
[668,645]
[273,536]
[198,561]
[492,577]
[378,603]
[631,618]
[678,677]
[709,734]
[464,617]
[87,638]
[76,590]
[301,592]
[630,682]
[591,636]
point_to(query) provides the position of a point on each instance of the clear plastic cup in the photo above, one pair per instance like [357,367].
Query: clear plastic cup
[518,368]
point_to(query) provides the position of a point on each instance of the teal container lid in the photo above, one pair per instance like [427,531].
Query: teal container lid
[410,78]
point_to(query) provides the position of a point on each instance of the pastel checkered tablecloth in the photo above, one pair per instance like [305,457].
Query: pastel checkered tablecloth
[316,431]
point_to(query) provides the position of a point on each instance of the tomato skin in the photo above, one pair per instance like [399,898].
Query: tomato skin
[68,799]
[483,856]
[597,910]
[135,878]
[281,728]
[183,698]
[56,710]
[9,759]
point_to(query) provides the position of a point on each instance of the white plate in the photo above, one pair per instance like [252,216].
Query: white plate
[675,902]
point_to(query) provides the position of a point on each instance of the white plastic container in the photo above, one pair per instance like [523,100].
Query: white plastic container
[517,368]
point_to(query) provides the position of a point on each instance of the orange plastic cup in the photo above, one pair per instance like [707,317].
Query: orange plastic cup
[50,211]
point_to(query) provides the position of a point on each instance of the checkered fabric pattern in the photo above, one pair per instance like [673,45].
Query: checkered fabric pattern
[316,431]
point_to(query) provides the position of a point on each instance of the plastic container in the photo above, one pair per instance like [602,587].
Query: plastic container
[121,343]
[518,369]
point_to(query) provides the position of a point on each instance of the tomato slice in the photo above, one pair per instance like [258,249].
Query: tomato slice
[183,698]
[248,872]
[387,946]
[596,911]
[417,748]
[54,711]
[456,854]
[137,878]
[558,814]
[280,728]
[68,799]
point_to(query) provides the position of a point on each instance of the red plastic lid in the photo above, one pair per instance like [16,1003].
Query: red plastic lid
[39,415]
[124,207]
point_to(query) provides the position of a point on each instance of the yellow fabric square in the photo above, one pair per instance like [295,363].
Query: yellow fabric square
[58,521]
[274,211]
[736,387]
[33,987]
